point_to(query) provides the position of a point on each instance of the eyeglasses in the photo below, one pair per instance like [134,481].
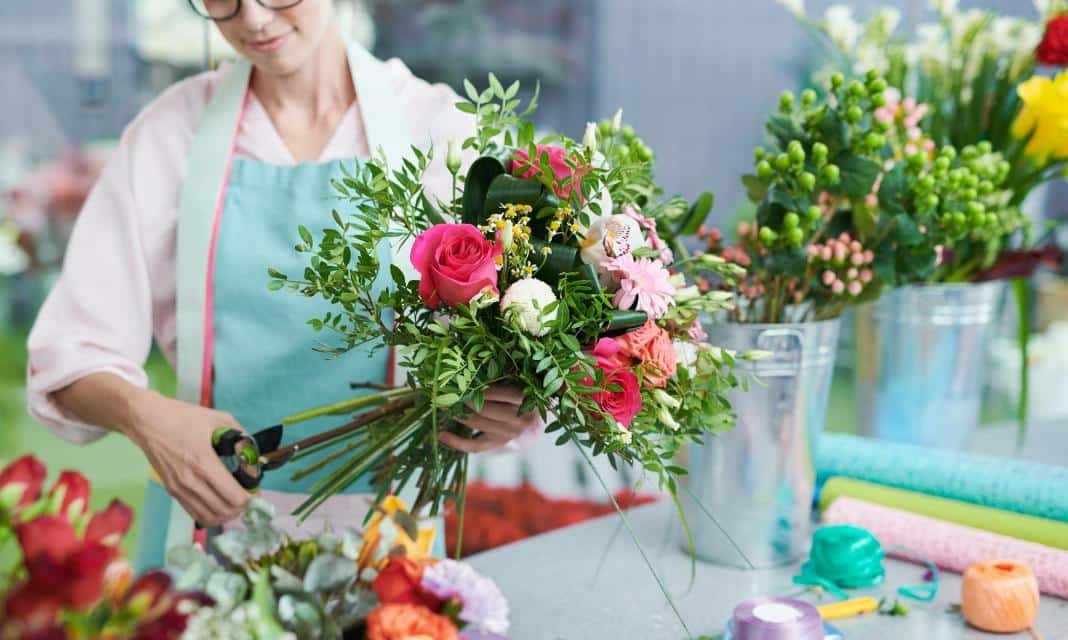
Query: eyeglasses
[219,10]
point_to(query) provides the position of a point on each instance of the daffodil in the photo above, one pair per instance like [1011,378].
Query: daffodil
[1043,120]
[389,534]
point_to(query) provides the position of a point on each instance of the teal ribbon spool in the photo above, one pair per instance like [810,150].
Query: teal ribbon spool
[847,557]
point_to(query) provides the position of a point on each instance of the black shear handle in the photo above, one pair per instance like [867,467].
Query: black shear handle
[240,455]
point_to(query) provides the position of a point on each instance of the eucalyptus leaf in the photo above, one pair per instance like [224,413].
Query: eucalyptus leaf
[328,572]
[226,589]
[284,580]
[303,615]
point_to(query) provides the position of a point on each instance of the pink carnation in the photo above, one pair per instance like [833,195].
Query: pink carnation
[644,285]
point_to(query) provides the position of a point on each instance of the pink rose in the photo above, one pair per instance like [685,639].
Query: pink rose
[621,396]
[456,263]
[566,177]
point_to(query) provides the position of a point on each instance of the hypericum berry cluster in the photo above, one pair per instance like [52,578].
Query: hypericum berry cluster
[841,265]
[962,194]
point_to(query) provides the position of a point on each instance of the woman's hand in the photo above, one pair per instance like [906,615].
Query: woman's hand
[176,438]
[497,424]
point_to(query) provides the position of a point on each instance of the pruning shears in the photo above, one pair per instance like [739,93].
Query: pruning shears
[248,456]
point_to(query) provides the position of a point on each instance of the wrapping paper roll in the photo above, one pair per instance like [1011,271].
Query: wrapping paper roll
[1002,483]
[1015,525]
[951,546]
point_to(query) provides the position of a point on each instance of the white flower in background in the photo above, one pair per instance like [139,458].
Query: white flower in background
[842,27]
[871,55]
[12,258]
[929,48]
[796,7]
[617,121]
[611,236]
[685,356]
[589,140]
[524,305]
[886,20]
[945,7]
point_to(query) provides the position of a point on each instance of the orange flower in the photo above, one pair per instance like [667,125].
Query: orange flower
[408,622]
[651,346]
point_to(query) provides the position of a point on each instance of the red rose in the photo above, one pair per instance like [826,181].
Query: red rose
[621,396]
[20,482]
[567,178]
[455,263]
[72,491]
[651,346]
[1053,50]
[110,525]
[400,582]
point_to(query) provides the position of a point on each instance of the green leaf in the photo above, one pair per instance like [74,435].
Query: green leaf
[506,189]
[561,259]
[858,175]
[275,273]
[495,84]
[907,231]
[305,235]
[472,92]
[479,178]
[754,187]
[275,285]
[696,215]
[892,191]
[466,107]
[446,399]
[784,129]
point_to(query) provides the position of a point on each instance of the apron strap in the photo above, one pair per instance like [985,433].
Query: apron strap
[201,202]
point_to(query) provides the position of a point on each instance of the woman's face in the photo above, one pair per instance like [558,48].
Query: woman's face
[278,42]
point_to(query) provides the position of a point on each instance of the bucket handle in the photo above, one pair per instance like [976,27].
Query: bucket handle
[767,335]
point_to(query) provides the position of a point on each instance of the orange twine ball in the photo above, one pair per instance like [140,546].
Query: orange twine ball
[999,596]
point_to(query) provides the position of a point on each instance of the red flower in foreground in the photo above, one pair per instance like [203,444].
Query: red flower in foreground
[72,490]
[399,582]
[1053,50]
[110,525]
[1022,264]
[20,482]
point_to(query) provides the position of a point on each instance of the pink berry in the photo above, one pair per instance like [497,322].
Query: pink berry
[866,275]
[826,253]
[852,273]
[855,288]
[869,256]
[838,286]
[829,277]
[857,259]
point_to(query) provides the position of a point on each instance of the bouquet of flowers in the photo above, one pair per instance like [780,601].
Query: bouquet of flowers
[71,580]
[976,70]
[378,584]
[853,196]
[551,268]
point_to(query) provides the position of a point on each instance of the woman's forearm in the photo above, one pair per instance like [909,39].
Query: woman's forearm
[103,399]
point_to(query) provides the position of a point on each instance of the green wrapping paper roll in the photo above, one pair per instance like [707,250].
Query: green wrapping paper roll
[1048,532]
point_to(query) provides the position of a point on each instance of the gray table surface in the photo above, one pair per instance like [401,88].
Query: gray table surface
[589,580]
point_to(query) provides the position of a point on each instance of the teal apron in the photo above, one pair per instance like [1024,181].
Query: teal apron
[242,348]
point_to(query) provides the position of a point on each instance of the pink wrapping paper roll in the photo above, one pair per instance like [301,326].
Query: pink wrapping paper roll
[949,545]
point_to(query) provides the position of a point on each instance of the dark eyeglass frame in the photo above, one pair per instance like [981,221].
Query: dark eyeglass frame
[237,9]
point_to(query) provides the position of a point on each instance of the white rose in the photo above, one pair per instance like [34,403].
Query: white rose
[524,304]
[611,237]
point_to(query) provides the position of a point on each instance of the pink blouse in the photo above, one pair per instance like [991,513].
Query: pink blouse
[117,288]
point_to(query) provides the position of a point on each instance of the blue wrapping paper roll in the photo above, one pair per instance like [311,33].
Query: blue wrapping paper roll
[1002,483]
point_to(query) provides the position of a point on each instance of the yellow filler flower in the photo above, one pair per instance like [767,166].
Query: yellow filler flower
[1044,116]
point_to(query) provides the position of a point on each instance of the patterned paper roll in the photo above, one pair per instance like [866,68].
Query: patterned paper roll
[1003,483]
[949,545]
[1015,525]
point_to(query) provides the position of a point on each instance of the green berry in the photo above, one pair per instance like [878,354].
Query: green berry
[985,147]
[876,86]
[795,237]
[819,150]
[875,140]
[948,151]
[786,101]
[986,187]
[969,194]
[764,169]
[878,100]
[808,97]
[880,127]
[759,153]
[854,114]
[969,153]
[807,180]
[856,89]
[837,79]
[916,161]
[628,133]
[604,127]
[814,213]
[970,181]
[791,220]
[927,182]
[831,174]
[645,154]
[931,201]
[797,154]
[767,236]
[782,162]
[942,163]
[991,220]
[871,76]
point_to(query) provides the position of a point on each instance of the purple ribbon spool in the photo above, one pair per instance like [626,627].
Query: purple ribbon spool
[776,619]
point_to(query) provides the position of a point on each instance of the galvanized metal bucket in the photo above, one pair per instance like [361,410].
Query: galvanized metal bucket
[921,358]
[757,480]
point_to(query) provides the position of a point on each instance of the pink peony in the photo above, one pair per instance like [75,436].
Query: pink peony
[456,263]
[644,285]
[567,178]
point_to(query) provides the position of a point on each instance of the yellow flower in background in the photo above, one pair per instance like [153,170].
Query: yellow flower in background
[1044,116]
[392,531]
